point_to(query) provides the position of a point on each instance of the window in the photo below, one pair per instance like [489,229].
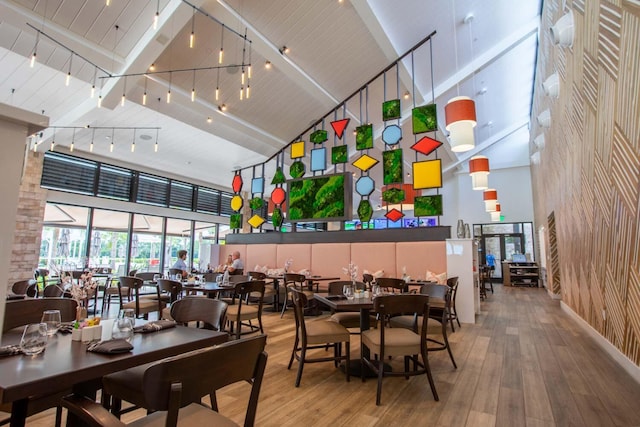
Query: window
[152,190]
[68,173]
[181,195]
[114,183]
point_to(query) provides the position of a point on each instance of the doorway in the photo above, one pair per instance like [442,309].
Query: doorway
[501,247]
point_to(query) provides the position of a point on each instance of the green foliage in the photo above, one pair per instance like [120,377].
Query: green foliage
[392,167]
[278,177]
[424,119]
[393,195]
[256,203]
[318,137]
[428,205]
[317,198]
[277,218]
[297,169]
[364,137]
[339,154]
[235,221]
[365,211]
[391,109]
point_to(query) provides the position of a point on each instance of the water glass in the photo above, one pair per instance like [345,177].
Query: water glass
[178,277]
[34,339]
[375,289]
[156,277]
[123,325]
[52,319]
[348,291]
[219,279]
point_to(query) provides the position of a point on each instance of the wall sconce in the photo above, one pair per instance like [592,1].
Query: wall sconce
[563,31]
[495,215]
[490,197]
[551,86]
[539,141]
[544,119]
[460,119]
[479,171]
[283,50]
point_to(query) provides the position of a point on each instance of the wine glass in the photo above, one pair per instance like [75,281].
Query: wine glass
[348,292]
[375,289]
[52,319]
[34,339]
[123,325]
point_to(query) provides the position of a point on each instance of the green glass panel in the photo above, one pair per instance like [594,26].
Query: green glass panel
[424,119]
[318,197]
[428,205]
[392,167]
[256,203]
[391,109]
[393,195]
[364,137]
[339,154]
[276,218]
[365,211]
[278,177]
[318,137]
[297,169]
[235,221]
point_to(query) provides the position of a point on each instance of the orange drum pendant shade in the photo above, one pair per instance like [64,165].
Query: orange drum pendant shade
[490,197]
[460,119]
[479,171]
[495,215]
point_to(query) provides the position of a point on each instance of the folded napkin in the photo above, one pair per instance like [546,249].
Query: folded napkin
[336,297]
[110,347]
[10,350]
[66,328]
[157,325]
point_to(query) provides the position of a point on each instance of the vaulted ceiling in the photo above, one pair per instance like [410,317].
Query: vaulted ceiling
[485,50]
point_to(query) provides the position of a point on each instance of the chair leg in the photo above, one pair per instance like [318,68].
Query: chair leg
[427,368]
[303,354]
[260,323]
[347,348]
[116,406]
[293,353]
[284,306]
[238,329]
[213,400]
[380,374]
[58,416]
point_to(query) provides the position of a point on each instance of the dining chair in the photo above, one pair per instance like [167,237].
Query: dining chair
[147,276]
[210,277]
[174,387]
[297,282]
[392,285]
[348,319]
[141,306]
[21,286]
[392,342]
[23,312]
[452,283]
[127,385]
[174,271]
[316,335]
[52,291]
[249,297]
[270,292]
[440,308]
[113,290]
[170,291]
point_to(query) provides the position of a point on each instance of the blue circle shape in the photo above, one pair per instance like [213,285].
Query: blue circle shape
[365,186]
[392,134]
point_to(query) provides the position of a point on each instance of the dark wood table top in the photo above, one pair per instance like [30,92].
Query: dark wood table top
[66,363]
[209,287]
[339,303]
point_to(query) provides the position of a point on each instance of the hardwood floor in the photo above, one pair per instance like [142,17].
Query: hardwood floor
[524,363]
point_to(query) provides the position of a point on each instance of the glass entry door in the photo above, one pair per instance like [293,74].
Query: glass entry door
[501,247]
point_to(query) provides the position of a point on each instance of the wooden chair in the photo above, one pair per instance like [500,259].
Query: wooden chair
[141,306]
[147,276]
[52,291]
[452,282]
[297,282]
[174,271]
[316,335]
[127,385]
[270,292]
[390,284]
[173,387]
[348,319]
[392,342]
[440,302]
[113,290]
[249,296]
[24,287]
[210,277]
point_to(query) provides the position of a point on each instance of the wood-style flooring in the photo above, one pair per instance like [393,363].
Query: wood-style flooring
[524,363]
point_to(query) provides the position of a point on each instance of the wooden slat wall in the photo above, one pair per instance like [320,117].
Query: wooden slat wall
[587,184]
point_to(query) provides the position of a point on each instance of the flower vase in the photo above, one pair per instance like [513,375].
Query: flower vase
[467,231]
[81,313]
[460,229]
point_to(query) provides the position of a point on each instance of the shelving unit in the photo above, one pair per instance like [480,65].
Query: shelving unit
[520,274]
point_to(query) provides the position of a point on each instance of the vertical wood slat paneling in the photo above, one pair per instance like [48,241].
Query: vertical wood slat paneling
[609,37]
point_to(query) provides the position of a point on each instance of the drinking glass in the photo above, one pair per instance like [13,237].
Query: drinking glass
[178,277]
[123,325]
[156,277]
[348,292]
[375,289]
[34,339]
[52,319]
[219,279]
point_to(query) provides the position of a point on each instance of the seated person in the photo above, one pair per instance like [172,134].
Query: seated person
[236,267]
[180,263]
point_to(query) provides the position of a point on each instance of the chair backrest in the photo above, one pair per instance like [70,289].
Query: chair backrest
[237,272]
[403,304]
[256,275]
[392,284]
[299,303]
[452,282]
[437,293]
[294,280]
[147,275]
[177,381]
[251,288]
[20,287]
[174,271]
[211,312]
[335,288]
[171,287]
[25,311]
[210,277]
[132,273]
[238,279]
[52,291]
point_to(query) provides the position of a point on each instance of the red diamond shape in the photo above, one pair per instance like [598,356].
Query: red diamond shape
[339,126]
[426,145]
[236,184]
[278,196]
[394,215]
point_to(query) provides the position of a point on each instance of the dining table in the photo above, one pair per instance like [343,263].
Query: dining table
[67,365]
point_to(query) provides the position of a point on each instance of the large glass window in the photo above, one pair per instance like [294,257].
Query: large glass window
[108,245]
[204,239]
[178,237]
[146,243]
[64,233]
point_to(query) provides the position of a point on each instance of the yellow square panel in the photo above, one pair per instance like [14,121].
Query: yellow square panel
[365,162]
[256,221]
[427,174]
[297,150]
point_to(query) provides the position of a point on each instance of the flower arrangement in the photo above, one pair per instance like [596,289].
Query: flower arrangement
[84,289]
[352,271]
[287,265]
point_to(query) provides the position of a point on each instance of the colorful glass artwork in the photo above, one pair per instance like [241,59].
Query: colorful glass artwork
[236,183]
[339,126]
[394,215]
[365,211]
[297,169]
[297,150]
[277,218]
[256,203]
[235,221]
[278,177]
[256,221]
[392,134]
[393,196]
[236,203]
[391,109]
[318,159]
[392,167]
[365,186]
[364,137]
[424,119]
[319,136]
[365,162]
[339,154]
[428,205]
[257,185]
[427,174]
[278,195]
[319,197]
[426,145]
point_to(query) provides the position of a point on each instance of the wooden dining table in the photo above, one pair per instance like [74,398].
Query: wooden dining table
[67,365]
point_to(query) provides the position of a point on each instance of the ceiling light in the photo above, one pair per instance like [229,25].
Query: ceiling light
[223,107]
[544,119]
[460,118]
[267,65]
[551,86]
[490,197]
[152,67]
[563,31]
[482,91]
[407,95]
[495,215]
[284,50]
[479,171]
[209,119]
